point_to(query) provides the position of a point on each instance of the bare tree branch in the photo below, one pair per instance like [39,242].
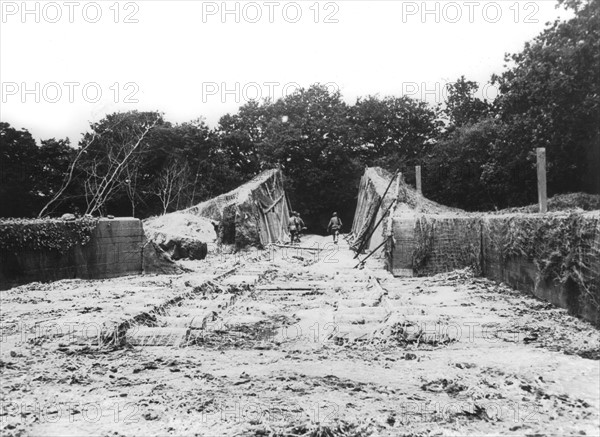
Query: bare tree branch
[68,178]
[108,183]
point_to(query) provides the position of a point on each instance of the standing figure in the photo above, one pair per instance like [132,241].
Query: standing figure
[300,224]
[334,226]
[293,227]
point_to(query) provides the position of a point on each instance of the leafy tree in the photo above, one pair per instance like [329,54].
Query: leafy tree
[211,167]
[471,169]
[54,158]
[462,107]
[466,168]
[394,133]
[241,136]
[194,144]
[308,135]
[19,167]
[550,98]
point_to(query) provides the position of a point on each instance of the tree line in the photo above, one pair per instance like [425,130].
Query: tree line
[475,154]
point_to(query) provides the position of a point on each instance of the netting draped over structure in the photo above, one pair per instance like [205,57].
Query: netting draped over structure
[369,207]
[255,213]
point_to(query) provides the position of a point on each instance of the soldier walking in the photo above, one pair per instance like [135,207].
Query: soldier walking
[334,226]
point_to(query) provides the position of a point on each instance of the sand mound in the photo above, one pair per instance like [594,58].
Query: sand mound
[563,202]
[181,235]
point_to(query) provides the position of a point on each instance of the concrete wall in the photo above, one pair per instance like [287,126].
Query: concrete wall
[115,249]
[522,272]
[430,244]
[404,243]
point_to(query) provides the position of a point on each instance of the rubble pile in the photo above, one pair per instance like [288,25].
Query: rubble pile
[254,214]
[181,235]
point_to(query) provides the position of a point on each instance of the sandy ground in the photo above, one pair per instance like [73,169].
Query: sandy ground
[293,343]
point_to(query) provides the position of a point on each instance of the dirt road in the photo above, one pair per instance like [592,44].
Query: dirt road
[293,343]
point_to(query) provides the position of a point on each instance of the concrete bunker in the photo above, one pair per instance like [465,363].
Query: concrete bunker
[116,247]
[555,256]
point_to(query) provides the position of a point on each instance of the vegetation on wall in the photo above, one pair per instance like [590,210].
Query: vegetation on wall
[17,235]
[465,251]
[424,235]
[561,247]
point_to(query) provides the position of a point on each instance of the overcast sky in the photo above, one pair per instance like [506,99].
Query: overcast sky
[81,60]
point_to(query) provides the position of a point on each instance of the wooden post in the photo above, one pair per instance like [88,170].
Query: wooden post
[541,179]
[418,177]
[366,236]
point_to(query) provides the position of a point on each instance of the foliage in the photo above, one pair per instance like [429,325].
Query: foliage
[465,169]
[172,184]
[424,235]
[559,245]
[314,150]
[550,97]
[45,234]
[18,169]
[307,134]
[393,133]
[54,157]
[194,145]
[462,107]
[475,155]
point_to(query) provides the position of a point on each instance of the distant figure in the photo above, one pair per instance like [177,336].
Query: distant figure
[300,224]
[294,227]
[334,226]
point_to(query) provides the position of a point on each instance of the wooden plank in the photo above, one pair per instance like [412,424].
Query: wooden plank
[541,179]
[152,336]
[273,204]
[284,288]
[289,246]
[240,279]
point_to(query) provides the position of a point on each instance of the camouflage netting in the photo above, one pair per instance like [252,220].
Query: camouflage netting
[254,214]
[370,207]
[409,200]
[373,184]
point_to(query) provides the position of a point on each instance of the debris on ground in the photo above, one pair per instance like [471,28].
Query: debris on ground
[266,344]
